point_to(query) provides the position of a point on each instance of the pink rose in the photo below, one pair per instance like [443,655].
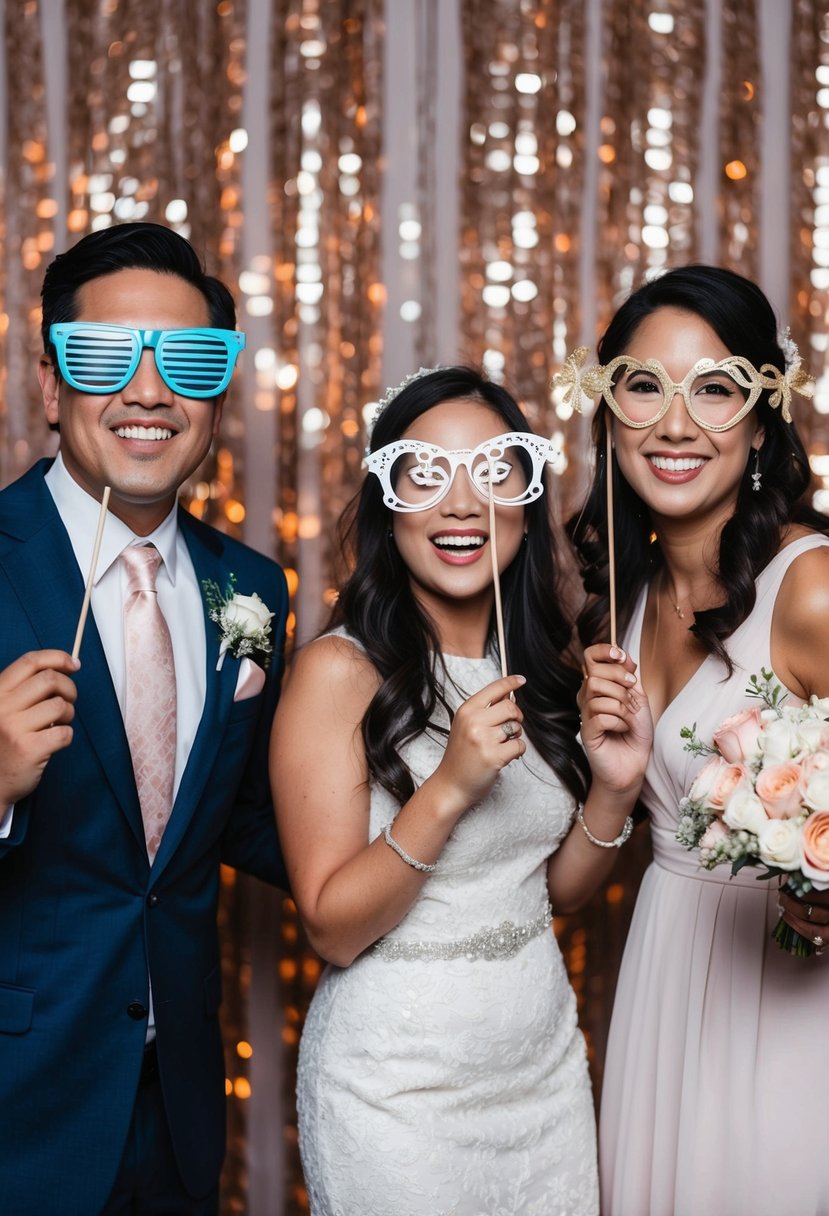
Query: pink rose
[706,779]
[817,762]
[736,738]
[780,789]
[729,781]
[715,833]
[815,841]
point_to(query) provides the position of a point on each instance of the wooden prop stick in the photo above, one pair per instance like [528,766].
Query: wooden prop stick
[611,537]
[87,595]
[496,580]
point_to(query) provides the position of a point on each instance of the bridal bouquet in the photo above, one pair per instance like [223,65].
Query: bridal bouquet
[762,798]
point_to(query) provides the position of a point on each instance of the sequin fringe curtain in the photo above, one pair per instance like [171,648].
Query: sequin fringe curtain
[325,151]
[649,149]
[522,190]
[809,245]
[739,139]
[326,82]
[27,235]
[150,136]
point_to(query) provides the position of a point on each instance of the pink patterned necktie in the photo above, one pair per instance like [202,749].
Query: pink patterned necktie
[150,693]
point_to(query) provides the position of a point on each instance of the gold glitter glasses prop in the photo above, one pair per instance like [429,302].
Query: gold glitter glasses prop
[717,395]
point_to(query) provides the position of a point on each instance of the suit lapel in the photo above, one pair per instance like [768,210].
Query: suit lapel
[45,575]
[206,550]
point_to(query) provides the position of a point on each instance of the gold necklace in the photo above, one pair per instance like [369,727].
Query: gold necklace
[671,595]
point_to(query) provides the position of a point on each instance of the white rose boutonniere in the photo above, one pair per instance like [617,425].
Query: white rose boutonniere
[244,621]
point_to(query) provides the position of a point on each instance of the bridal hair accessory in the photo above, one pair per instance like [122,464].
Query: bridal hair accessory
[796,378]
[390,394]
[791,354]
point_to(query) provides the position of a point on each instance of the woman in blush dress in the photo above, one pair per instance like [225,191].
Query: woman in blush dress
[717,1070]
[425,802]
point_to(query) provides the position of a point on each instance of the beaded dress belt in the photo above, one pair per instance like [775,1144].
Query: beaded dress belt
[501,942]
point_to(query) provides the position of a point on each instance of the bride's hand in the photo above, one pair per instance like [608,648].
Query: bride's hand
[616,724]
[485,737]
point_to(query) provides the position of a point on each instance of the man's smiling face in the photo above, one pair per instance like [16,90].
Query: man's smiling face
[145,440]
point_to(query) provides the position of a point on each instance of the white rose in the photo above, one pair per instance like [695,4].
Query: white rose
[778,741]
[744,813]
[779,844]
[248,612]
[817,791]
[811,734]
[821,705]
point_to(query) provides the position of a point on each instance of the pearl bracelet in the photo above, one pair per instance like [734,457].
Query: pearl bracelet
[425,867]
[621,839]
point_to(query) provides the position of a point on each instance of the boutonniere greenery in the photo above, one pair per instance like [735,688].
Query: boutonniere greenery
[244,621]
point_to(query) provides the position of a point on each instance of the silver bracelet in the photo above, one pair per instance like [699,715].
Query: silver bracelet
[401,853]
[621,839]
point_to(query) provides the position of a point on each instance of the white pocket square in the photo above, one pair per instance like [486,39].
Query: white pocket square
[251,680]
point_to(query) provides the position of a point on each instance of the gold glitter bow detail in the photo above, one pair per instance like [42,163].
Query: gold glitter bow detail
[576,381]
[795,380]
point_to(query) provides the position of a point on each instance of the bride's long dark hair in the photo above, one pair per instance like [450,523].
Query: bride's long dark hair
[378,608]
[741,316]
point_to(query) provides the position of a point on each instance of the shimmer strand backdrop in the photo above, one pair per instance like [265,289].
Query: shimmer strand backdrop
[386,185]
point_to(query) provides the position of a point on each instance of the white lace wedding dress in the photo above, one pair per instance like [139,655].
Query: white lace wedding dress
[443,1073]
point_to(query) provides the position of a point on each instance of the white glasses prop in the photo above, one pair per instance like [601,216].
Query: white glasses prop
[415,475]
[507,470]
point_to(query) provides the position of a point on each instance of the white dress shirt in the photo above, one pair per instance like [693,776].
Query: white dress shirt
[179,598]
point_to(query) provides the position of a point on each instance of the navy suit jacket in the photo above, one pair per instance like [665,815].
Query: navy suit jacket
[84,918]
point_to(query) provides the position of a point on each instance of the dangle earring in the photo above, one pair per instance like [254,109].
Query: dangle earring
[756,476]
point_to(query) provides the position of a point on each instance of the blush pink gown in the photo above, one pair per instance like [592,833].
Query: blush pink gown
[716,1090]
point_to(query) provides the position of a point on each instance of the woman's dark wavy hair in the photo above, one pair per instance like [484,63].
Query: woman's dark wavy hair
[741,316]
[379,609]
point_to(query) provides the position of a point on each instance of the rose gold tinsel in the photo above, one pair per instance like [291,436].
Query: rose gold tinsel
[27,240]
[325,147]
[162,91]
[739,137]
[649,148]
[521,190]
[809,299]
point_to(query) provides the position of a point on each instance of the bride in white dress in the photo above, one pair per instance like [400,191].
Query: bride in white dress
[425,804]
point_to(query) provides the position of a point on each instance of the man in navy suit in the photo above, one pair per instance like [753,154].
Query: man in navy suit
[111,1067]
